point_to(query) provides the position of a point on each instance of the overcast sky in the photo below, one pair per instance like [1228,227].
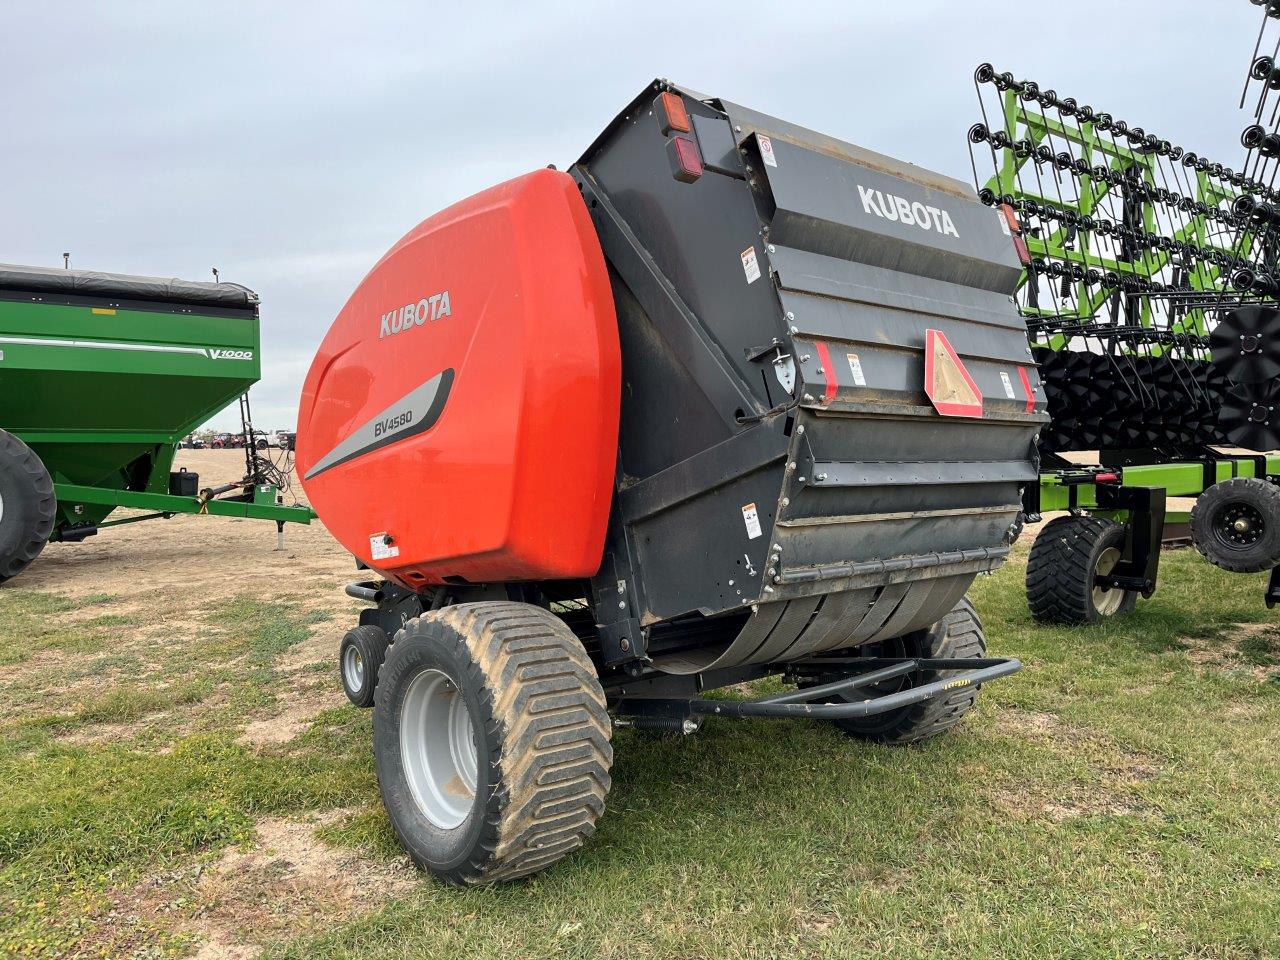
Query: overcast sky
[289,144]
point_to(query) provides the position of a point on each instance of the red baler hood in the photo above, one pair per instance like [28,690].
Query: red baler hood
[460,419]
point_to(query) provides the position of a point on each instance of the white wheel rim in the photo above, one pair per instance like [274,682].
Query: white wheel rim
[353,668]
[438,750]
[1106,600]
[1,508]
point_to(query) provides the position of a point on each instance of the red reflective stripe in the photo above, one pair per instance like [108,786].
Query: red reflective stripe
[828,371]
[1026,385]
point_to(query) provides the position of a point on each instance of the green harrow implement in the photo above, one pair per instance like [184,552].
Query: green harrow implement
[101,375]
[1149,291]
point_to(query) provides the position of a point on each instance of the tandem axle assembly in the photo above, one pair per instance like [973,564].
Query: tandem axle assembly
[1095,562]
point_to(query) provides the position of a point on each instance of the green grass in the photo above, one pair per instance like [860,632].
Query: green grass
[1117,798]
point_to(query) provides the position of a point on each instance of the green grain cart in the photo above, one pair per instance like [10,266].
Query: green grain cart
[101,375]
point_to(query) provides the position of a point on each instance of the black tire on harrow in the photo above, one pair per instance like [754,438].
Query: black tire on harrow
[28,506]
[1065,560]
[536,714]
[957,635]
[1235,524]
[360,659]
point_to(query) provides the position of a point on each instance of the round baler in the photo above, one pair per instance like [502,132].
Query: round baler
[728,399]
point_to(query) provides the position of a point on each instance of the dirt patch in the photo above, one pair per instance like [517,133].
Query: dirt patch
[302,707]
[1059,802]
[321,646]
[286,882]
[1030,723]
[1116,770]
[1252,648]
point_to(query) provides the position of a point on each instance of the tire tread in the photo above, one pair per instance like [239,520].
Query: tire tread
[554,732]
[29,465]
[1060,570]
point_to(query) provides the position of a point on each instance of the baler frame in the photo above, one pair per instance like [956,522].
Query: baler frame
[819,446]
[642,697]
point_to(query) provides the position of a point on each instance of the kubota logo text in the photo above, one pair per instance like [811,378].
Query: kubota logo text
[434,307]
[888,207]
[231,354]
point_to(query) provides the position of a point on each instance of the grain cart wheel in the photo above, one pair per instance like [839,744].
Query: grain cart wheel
[1066,559]
[27,506]
[363,651]
[958,634]
[491,741]
[1236,525]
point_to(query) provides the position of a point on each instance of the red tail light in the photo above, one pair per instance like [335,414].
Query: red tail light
[1020,245]
[686,159]
[1015,230]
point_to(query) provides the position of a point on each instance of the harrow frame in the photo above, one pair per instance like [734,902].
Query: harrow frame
[1022,123]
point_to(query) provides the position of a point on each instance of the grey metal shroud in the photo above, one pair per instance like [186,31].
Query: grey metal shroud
[757,523]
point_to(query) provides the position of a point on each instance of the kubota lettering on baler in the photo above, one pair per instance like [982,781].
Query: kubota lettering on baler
[912,214]
[435,307]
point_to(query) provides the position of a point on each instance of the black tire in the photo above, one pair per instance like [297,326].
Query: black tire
[360,659]
[1065,561]
[540,731]
[1235,524]
[28,506]
[958,634]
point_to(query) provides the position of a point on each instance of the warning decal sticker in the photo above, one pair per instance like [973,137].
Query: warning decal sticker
[1008,385]
[855,367]
[750,265]
[751,518]
[382,548]
[766,151]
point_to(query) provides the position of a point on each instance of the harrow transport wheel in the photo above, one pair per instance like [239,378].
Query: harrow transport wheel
[360,658]
[958,634]
[491,741]
[1066,559]
[1236,525]
[27,506]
